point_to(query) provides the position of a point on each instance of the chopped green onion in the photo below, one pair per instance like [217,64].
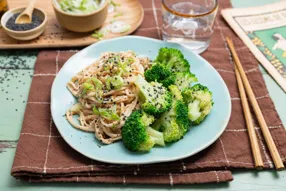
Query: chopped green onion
[95,110]
[87,86]
[79,6]
[119,27]
[76,108]
[114,4]
[98,84]
[98,35]
[110,60]
[123,66]
[108,83]
[133,53]
[114,108]
[118,59]
[130,60]
[117,82]
[107,66]
[114,116]
[117,15]
[102,32]
[106,113]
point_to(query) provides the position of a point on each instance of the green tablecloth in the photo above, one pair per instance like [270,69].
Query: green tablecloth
[13,96]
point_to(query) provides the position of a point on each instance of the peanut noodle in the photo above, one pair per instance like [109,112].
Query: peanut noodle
[106,94]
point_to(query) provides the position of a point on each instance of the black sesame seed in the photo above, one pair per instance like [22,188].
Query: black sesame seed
[36,21]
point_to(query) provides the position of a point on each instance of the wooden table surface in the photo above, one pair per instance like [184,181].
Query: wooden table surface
[17,68]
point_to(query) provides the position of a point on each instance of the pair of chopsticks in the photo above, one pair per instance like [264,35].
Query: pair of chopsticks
[244,83]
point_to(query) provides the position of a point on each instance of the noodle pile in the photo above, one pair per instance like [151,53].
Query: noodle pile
[106,94]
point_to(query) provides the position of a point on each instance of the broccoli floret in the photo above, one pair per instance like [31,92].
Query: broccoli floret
[173,59]
[174,123]
[185,80]
[169,81]
[161,74]
[175,92]
[155,98]
[137,135]
[199,101]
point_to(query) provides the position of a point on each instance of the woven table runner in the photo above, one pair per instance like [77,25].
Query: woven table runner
[43,156]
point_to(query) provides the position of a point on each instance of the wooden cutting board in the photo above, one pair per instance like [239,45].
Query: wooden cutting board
[56,36]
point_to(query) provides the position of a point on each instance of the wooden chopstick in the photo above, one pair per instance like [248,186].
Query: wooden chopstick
[265,131]
[251,131]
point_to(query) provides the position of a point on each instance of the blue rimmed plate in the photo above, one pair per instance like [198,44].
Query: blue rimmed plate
[198,137]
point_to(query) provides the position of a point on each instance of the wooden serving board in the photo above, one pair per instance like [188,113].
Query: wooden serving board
[56,36]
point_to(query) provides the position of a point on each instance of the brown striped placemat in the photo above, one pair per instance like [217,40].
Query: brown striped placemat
[43,156]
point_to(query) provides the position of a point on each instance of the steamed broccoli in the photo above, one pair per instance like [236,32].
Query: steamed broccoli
[173,59]
[137,135]
[161,74]
[185,80]
[199,101]
[174,123]
[154,96]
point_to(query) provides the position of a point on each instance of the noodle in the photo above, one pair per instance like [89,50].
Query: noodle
[106,94]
